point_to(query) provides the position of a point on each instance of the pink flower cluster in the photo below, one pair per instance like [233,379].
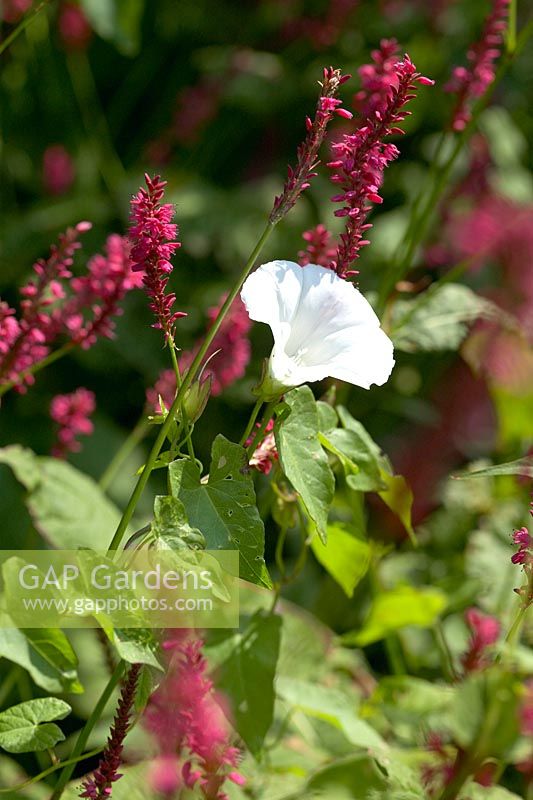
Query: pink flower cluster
[57,304]
[73,26]
[524,557]
[186,718]
[471,82]
[360,159]
[227,357]
[378,79]
[58,170]
[485,632]
[265,454]
[152,234]
[72,414]
[299,177]
[12,10]
[320,248]
[100,786]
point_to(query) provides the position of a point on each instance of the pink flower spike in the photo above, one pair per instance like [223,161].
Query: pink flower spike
[471,82]
[58,170]
[153,237]
[72,414]
[298,178]
[100,785]
[359,159]
[485,632]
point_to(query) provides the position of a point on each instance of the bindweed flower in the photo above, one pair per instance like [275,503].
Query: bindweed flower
[473,81]
[322,327]
[100,785]
[72,414]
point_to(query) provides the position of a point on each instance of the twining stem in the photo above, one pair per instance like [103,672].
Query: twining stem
[251,422]
[186,382]
[177,373]
[85,732]
[23,24]
[50,770]
[127,447]
[9,681]
[260,432]
[445,653]
[45,362]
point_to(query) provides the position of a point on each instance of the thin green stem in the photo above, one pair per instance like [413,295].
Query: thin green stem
[260,432]
[445,653]
[127,447]
[251,422]
[510,39]
[94,121]
[23,24]
[85,732]
[45,362]
[186,382]
[52,769]
[177,373]
[9,681]
[420,223]
[280,544]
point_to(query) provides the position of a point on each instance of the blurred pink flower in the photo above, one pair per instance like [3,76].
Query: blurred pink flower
[152,234]
[471,82]
[378,79]
[485,632]
[320,249]
[95,297]
[227,357]
[324,30]
[12,10]
[72,414]
[74,28]
[186,718]
[58,170]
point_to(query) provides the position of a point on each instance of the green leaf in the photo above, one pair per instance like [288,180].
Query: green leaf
[46,654]
[327,416]
[171,527]
[522,466]
[224,508]
[354,777]
[360,465]
[301,457]
[68,508]
[438,319]
[330,705]
[345,557]
[136,646]
[399,498]
[24,464]
[247,676]
[117,21]
[21,730]
[396,609]
[473,791]
[487,709]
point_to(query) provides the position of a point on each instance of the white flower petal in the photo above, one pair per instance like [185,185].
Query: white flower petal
[322,326]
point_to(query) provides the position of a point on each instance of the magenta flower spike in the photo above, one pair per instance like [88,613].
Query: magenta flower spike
[72,414]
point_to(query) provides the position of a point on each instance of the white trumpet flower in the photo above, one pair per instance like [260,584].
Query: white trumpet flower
[322,327]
